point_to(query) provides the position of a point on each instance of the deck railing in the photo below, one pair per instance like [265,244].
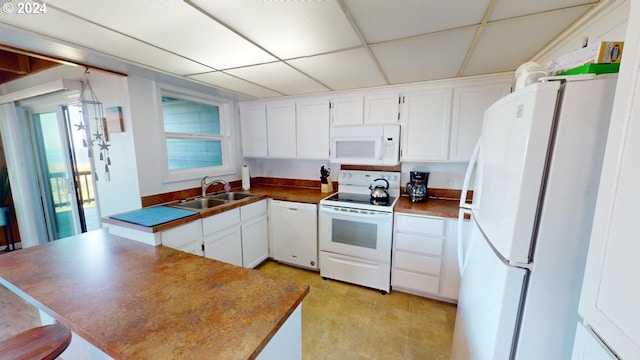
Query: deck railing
[60,193]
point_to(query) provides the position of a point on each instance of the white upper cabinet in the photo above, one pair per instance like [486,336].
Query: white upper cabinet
[253,123]
[312,129]
[365,108]
[347,110]
[469,105]
[381,108]
[425,118]
[281,129]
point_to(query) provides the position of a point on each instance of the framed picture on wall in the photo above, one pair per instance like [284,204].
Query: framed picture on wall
[113,120]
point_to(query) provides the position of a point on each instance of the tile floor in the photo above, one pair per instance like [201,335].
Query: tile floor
[344,321]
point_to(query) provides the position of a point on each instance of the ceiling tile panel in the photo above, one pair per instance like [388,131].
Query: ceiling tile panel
[428,57]
[511,8]
[65,27]
[287,28]
[343,70]
[505,45]
[279,77]
[171,25]
[225,81]
[387,20]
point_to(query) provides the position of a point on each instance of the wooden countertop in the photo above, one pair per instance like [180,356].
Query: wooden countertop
[431,207]
[288,193]
[442,207]
[135,301]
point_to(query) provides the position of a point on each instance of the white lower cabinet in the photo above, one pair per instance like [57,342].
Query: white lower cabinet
[255,241]
[424,256]
[225,246]
[238,236]
[187,237]
[255,233]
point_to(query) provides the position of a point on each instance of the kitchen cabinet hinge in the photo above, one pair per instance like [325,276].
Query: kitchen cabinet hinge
[398,116]
[399,100]
[202,245]
[329,104]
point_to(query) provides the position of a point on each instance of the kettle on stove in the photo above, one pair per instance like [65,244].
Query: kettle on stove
[417,187]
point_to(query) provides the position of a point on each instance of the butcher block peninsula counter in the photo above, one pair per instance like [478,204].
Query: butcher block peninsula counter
[135,301]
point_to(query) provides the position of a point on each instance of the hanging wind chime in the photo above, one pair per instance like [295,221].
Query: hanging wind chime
[92,110]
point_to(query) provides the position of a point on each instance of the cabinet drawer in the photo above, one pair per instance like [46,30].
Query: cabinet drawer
[420,225]
[180,236]
[253,209]
[220,221]
[419,282]
[424,264]
[418,243]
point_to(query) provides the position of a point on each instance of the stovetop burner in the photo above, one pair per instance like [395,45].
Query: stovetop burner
[360,199]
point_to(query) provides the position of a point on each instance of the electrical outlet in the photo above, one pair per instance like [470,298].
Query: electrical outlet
[449,182]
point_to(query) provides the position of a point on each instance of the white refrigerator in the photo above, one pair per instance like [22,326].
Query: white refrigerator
[536,176]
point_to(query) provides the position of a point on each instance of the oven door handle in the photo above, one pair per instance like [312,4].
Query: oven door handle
[355,213]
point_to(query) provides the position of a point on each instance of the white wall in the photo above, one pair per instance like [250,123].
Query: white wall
[441,174]
[148,138]
[121,193]
[609,24]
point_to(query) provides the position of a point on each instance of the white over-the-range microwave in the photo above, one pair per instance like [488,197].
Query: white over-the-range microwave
[365,145]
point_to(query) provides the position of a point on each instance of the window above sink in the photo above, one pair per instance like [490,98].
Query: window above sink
[198,136]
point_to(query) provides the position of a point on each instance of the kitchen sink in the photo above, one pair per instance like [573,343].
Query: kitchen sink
[230,196]
[201,203]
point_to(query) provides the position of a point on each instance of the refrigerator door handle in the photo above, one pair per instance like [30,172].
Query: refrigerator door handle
[467,177]
[461,240]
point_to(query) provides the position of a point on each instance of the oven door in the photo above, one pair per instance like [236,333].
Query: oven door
[364,234]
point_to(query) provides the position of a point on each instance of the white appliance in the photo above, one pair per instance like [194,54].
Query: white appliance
[538,166]
[365,145]
[294,227]
[355,231]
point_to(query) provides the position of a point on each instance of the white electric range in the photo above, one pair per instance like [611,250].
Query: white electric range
[355,231]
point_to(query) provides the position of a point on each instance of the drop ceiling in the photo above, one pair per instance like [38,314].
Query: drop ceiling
[278,48]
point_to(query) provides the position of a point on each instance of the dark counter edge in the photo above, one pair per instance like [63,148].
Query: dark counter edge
[447,208]
[112,352]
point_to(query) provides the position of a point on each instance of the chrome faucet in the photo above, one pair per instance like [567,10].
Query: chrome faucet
[205,185]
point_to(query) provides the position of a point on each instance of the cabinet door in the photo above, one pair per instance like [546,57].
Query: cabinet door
[255,241]
[381,108]
[183,236]
[347,110]
[194,247]
[281,129]
[611,291]
[425,117]
[225,246]
[469,105]
[450,278]
[253,124]
[312,129]
[587,346]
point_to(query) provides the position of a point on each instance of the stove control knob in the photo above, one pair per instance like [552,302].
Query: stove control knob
[345,175]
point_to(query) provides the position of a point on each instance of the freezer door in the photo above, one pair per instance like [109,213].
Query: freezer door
[488,305]
[515,140]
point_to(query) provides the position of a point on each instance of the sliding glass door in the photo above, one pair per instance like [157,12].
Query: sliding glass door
[64,170]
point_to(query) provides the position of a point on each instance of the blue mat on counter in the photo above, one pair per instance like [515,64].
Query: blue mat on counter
[153,216]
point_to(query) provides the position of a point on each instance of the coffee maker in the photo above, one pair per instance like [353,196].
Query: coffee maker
[417,187]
